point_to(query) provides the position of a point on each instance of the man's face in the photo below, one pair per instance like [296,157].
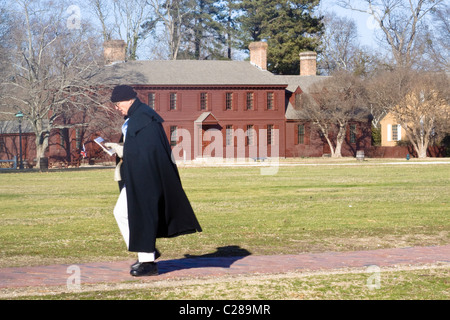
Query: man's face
[123,106]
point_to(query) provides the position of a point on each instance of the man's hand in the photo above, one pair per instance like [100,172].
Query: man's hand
[118,148]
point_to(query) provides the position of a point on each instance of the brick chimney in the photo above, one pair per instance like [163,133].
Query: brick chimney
[308,63]
[258,54]
[114,51]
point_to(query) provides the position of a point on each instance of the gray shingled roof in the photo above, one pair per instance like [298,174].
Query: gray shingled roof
[202,72]
[197,72]
[304,82]
[185,72]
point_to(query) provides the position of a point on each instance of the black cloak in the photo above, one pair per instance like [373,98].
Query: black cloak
[157,204]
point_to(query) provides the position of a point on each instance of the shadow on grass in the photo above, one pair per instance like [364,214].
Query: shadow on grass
[223,257]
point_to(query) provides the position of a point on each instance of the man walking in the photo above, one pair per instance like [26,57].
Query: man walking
[152,203]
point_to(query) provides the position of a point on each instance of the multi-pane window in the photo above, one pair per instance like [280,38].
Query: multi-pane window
[353,133]
[395,132]
[203,101]
[250,135]
[173,101]
[151,100]
[229,135]
[229,101]
[173,136]
[269,100]
[270,134]
[63,137]
[78,138]
[249,101]
[301,134]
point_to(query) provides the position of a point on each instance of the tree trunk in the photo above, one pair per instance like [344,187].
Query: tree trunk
[331,145]
[41,146]
[337,151]
[422,152]
[339,141]
[420,141]
[422,147]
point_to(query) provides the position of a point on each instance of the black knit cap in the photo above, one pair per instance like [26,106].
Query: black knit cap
[123,93]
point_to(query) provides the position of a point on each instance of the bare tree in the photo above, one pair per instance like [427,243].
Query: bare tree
[172,13]
[438,40]
[424,112]
[5,45]
[332,105]
[130,16]
[55,56]
[102,9]
[418,101]
[339,43]
[341,50]
[124,20]
[384,88]
[400,22]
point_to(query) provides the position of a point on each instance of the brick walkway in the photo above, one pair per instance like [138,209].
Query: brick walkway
[101,272]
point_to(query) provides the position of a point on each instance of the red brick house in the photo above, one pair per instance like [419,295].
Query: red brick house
[206,103]
[229,109]
[222,109]
[9,142]
[303,139]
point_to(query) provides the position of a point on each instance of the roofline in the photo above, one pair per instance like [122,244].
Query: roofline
[219,86]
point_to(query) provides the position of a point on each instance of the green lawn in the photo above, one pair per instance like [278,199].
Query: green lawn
[66,217]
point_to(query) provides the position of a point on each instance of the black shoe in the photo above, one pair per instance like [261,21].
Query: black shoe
[136,264]
[145,269]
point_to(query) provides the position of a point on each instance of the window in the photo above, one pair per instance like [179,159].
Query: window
[270,101]
[250,135]
[78,138]
[395,132]
[173,101]
[269,134]
[229,135]
[353,133]
[229,101]
[151,100]
[301,133]
[2,144]
[203,101]
[173,136]
[63,137]
[249,100]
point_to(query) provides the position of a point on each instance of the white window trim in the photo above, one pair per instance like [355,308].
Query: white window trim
[389,132]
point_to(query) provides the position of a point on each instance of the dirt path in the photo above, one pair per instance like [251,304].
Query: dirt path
[16,282]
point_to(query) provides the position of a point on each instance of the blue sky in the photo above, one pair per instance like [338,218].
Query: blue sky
[366,26]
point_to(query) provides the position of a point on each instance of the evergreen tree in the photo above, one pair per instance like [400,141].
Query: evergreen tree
[203,32]
[229,24]
[289,27]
